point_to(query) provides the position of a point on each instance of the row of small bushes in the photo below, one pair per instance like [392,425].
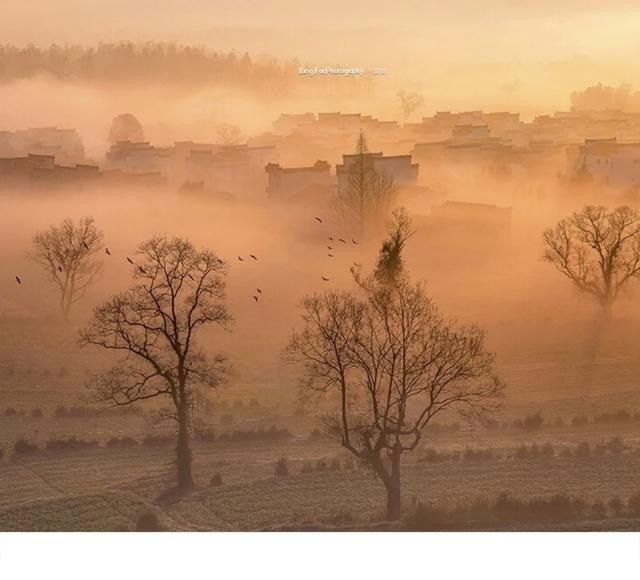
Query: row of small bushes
[61,372]
[535,421]
[507,510]
[23,446]
[613,446]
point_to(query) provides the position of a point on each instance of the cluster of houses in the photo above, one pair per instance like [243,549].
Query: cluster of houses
[307,157]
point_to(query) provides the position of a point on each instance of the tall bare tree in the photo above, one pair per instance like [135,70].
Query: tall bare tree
[68,254]
[410,102]
[366,195]
[598,250]
[394,363]
[179,290]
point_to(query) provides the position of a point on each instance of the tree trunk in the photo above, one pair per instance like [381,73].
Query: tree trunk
[183,452]
[394,498]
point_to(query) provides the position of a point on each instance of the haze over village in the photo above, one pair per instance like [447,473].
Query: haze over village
[349,277]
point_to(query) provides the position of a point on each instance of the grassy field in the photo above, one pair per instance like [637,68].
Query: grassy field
[107,489]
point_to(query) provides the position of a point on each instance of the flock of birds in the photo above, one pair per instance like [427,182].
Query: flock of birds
[256,297]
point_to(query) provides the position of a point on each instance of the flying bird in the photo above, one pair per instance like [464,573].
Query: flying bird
[330,239]
[318,220]
[354,242]
[59,268]
[252,256]
[341,240]
[241,259]
[18,280]
[329,248]
[255,298]
[331,255]
[259,291]
[85,245]
[191,278]
[106,251]
[142,270]
[356,264]
[325,279]
[129,260]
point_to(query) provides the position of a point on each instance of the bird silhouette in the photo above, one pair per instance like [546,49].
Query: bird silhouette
[241,259]
[259,291]
[325,279]
[106,251]
[142,270]
[255,298]
[331,255]
[356,264]
[18,280]
[252,256]
[129,260]
[191,278]
[318,220]
[354,242]
[341,240]
[330,239]
[329,248]
[59,268]
[85,245]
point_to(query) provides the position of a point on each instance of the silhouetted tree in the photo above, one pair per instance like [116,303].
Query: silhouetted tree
[390,266]
[598,250]
[125,127]
[393,363]
[179,291]
[368,194]
[67,253]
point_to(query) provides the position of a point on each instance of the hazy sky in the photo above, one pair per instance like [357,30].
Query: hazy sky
[334,29]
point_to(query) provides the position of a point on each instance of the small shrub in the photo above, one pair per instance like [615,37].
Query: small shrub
[579,421]
[532,422]
[10,412]
[216,480]
[61,411]
[547,450]
[23,447]
[583,450]
[282,467]
[37,413]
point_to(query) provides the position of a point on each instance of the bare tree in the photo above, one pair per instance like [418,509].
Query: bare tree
[229,134]
[409,103]
[393,363]
[67,253]
[598,250]
[179,291]
[367,195]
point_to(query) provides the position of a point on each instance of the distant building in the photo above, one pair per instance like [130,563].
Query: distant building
[286,183]
[609,161]
[400,168]
[64,144]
